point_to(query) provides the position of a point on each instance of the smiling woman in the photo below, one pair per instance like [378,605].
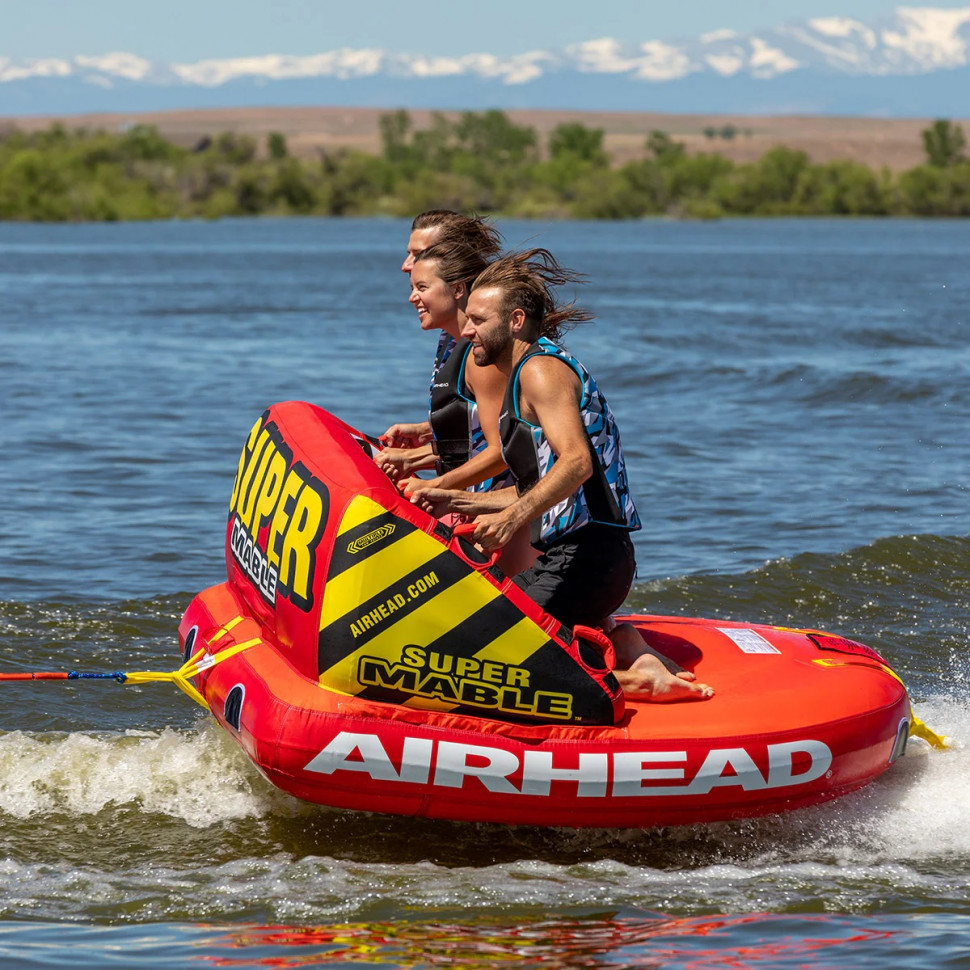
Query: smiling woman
[446,252]
[429,228]
[437,301]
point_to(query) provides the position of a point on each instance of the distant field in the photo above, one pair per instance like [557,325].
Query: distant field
[894,142]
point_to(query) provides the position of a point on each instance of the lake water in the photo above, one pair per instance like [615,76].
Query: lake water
[793,398]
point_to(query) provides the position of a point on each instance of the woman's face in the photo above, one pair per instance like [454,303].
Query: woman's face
[419,240]
[435,301]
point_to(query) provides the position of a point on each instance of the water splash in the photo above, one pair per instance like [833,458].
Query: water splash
[198,777]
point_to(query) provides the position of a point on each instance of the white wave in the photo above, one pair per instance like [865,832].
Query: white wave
[912,814]
[200,777]
[921,811]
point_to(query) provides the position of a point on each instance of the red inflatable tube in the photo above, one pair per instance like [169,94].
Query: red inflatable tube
[364,657]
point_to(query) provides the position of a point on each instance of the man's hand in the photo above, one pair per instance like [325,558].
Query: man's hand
[494,530]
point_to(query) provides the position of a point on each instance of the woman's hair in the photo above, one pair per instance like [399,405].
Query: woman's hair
[453,225]
[526,280]
[457,259]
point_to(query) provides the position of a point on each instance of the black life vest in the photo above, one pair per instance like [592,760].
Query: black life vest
[453,414]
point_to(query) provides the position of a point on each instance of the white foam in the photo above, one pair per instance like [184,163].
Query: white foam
[911,815]
[200,777]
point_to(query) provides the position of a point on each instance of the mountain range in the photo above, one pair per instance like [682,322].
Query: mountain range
[913,63]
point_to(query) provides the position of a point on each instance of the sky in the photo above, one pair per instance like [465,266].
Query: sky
[192,30]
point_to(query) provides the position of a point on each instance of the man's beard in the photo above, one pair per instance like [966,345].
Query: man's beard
[494,347]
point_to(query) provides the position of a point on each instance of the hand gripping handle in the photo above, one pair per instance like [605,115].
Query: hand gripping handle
[466,528]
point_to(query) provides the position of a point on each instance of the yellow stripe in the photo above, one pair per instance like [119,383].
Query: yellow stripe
[359,511]
[434,619]
[376,573]
[516,644]
[237,648]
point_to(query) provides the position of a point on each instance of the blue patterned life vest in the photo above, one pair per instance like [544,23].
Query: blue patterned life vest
[605,496]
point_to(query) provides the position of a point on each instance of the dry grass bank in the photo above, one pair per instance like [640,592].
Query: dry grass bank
[891,142]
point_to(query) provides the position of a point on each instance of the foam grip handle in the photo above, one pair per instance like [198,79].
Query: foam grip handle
[599,640]
[466,528]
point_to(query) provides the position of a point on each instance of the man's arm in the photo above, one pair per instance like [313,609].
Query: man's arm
[550,393]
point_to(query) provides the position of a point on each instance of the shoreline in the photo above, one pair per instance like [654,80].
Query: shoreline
[893,143]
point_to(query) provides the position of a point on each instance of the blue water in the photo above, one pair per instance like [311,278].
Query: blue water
[793,400]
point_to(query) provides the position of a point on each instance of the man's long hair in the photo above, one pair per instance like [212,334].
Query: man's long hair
[474,230]
[526,280]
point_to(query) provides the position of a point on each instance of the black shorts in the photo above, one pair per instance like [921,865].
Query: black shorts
[583,577]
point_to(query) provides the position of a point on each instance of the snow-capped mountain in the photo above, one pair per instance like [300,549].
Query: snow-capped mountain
[915,62]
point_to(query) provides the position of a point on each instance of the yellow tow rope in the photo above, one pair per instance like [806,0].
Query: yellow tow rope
[917,729]
[199,661]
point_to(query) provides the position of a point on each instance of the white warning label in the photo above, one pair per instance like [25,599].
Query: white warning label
[750,641]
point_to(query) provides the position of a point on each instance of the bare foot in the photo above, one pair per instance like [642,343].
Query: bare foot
[648,679]
[630,645]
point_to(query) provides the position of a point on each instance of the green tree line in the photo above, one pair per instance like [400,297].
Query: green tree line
[479,161]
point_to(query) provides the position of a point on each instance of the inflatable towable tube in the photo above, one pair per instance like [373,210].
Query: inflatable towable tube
[366,657]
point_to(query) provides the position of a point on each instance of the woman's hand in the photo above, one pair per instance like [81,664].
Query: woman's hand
[400,463]
[435,501]
[407,435]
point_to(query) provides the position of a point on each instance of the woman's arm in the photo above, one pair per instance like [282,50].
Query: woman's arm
[399,463]
[441,501]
